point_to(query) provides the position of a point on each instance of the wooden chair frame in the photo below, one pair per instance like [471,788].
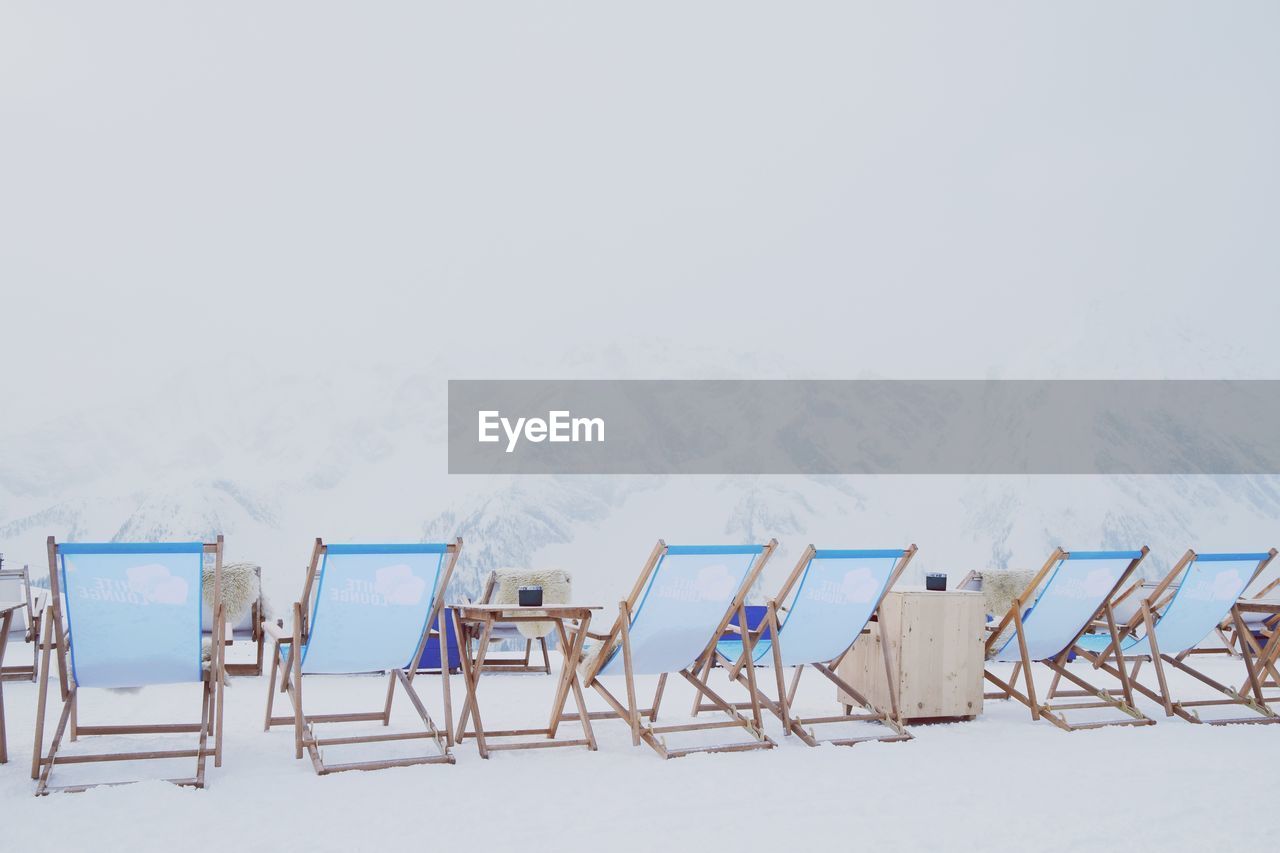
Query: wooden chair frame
[1267,656]
[506,664]
[24,672]
[259,637]
[1056,714]
[635,716]
[56,639]
[1231,638]
[782,707]
[289,667]
[1250,695]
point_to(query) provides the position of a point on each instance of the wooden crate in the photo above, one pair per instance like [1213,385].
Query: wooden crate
[936,639]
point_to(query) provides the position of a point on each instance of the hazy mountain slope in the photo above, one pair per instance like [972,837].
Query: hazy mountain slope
[273,461]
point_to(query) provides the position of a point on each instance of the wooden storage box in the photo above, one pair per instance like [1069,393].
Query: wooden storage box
[936,640]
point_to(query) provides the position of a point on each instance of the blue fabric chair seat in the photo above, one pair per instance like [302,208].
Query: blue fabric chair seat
[732,649]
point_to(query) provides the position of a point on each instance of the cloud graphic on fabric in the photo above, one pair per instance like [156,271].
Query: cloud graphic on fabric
[858,585]
[1098,582]
[714,583]
[156,584]
[399,585]
[1227,585]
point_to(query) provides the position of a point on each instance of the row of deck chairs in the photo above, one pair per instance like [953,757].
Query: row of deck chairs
[1068,611]
[128,615]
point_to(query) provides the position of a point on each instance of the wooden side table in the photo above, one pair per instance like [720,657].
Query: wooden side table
[476,622]
[935,639]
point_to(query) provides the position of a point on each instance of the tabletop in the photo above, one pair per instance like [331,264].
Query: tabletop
[516,613]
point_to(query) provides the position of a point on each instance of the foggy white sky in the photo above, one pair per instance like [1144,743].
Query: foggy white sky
[906,189]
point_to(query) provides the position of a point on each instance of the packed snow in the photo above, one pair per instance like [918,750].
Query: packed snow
[999,782]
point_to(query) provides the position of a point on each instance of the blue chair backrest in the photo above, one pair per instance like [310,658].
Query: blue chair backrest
[431,651]
[755,618]
[133,612]
[1210,585]
[372,604]
[836,596]
[1075,589]
[689,591]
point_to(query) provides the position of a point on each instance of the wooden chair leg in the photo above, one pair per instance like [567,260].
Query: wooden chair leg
[46,648]
[1026,663]
[4,639]
[703,676]
[632,713]
[271,686]
[657,697]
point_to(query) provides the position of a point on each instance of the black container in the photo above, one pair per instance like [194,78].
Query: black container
[936,582]
[530,596]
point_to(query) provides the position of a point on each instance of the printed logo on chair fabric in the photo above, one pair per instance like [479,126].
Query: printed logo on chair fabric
[1225,585]
[149,583]
[1095,584]
[713,583]
[858,586]
[392,586]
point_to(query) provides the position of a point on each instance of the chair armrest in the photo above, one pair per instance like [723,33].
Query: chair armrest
[276,632]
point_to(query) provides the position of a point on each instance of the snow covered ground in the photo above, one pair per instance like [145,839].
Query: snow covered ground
[1000,782]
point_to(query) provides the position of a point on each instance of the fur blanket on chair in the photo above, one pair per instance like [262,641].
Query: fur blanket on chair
[557,588]
[241,587]
[999,588]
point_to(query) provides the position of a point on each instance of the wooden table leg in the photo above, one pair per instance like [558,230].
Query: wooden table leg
[464,661]
[472,705]
[571,648]
[562,685]
[579,638]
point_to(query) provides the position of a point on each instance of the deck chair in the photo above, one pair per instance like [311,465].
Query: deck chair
[24,627]
[670,622]
[826,603]
[1206,589]
[371,611]
[128,615]
[1070,593]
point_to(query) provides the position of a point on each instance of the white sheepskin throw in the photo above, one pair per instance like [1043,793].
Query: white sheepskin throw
[999,588]
[592,651]
[557,588]
[240,589]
